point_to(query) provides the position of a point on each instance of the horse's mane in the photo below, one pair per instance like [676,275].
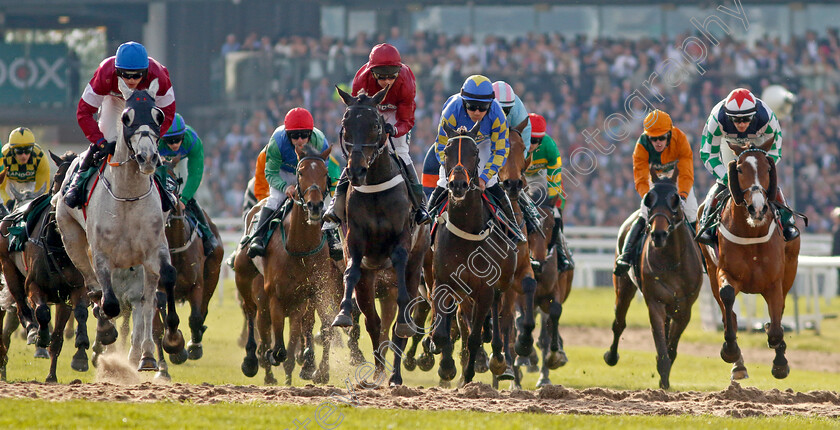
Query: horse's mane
[309,151]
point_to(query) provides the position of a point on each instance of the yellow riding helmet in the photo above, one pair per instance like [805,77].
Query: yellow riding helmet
[657,123]
[21,136]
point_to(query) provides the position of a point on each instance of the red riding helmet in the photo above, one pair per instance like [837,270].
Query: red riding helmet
[385,59]
[537,125]
[299,119]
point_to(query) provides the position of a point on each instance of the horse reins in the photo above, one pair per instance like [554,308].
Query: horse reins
[379,138]
[451,174]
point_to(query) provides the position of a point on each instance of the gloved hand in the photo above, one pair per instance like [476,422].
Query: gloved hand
[389,128]
[105,149]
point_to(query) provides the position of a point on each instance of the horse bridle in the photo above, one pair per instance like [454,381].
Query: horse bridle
[380,137]
[671,224]
[300,194]
[471,181]
[754,187]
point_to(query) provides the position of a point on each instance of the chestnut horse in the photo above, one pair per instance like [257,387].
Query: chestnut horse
[753,257]
[669,274]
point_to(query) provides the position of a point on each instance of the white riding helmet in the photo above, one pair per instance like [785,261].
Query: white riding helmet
[740,102]
[504,94]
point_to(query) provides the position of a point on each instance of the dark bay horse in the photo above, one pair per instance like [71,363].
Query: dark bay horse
[381,234]
[197,275]
[553,289]
[45,275]
[472,254]
[521,294]
[669,274]
[752,256]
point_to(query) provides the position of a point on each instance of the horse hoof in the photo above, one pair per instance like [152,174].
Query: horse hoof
[739,374]
[270,379]
[532,368]
[781,372]
[107,336]
[79,364]
[446,370]
[507,375]
[250,366]
[179,357]
[196,351]
[543,382]
[425,362]
[498,365]
[444,384]
[403,331]
[664,384]
[277,357]
[147,364]
[173,343]
[356,358]
[611,359]
[307,372]
[410,363]
[557,359]
[163,376]
[32,335]
[51,379]
[321,378]
[523,347]
[730,354]
[342,320]
[41,353]
[522,361]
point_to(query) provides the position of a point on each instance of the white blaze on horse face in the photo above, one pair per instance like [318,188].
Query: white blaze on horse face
[757,200]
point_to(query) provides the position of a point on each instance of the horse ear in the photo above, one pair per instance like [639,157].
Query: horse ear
[676,175]
[325,154]
[767,144]
[772,189]
[55,158]
[734,186]
[654,174]
[124,89]
[528,159]
[347,98]
[736,148]
[474,130]
[380,95]
[153,88]
[447,128]
[521,126]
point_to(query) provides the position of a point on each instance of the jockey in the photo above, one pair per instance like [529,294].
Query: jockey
[137,70]
[476,103]
[23,162]
[182,141]
[744,118]
[516,117]
[545,172]
[298,130]
[659,144]
[384,69]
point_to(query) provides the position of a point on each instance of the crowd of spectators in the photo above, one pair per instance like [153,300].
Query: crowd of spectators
[576,84]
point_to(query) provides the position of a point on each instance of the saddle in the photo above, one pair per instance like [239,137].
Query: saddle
[167,198]
[23,221]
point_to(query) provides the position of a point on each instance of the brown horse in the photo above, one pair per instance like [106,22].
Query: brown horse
[553,289]
[753,257]
[669,275]
[299,274]
[50,278]
[381,234]
[197,275]
[521,294]
[472,253]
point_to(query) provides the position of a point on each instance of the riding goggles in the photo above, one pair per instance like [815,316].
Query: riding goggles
[172,140]
[131,74]
[385,76]
[662,137]
[299,134]
[477,106]
[21,151]
[737,119]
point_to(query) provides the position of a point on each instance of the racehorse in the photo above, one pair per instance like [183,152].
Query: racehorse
[467,238]
[752,256]
[669,274]
[521,293]
[197,275]
[50,277]
[298,271]
[127,228]
[553,289]
[380,231]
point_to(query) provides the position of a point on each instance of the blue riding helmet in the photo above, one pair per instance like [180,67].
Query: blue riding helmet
[178,127]
[477,88]
[132,56]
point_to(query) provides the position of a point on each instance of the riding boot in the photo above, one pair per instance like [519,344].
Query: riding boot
[338,202]
[529,213]
[564,263]
[436,200]
[504,202]
[415,193]
[334,242]
[628,252]
[257,247]
[789,230]
[208,238]
[707,235]
[74,196]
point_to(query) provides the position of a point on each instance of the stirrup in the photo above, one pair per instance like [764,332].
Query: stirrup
[789,233]
[621,266]
[256,249]
[421,216]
